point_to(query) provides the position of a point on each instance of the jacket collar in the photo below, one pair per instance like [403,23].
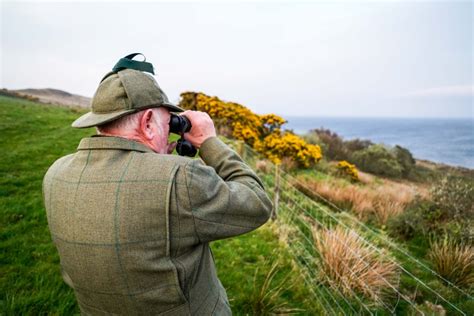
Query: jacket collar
[111,142]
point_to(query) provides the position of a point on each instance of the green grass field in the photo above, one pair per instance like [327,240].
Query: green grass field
[32,136]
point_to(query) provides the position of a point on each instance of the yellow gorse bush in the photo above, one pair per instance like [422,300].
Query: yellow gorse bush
[348,169]
[262,132]
[275,146]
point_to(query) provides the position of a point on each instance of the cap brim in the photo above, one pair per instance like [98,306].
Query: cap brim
[172,107]
[91,119]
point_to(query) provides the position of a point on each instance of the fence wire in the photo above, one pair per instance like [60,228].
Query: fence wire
[298,217]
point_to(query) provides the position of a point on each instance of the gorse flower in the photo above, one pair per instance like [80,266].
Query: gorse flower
[348,169]
[261,132]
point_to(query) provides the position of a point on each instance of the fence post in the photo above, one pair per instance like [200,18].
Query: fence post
[276,198]
[241,149]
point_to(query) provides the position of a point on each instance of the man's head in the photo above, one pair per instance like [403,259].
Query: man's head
[129,103]
[149,127]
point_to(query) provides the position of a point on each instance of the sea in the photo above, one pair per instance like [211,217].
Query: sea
[449,141]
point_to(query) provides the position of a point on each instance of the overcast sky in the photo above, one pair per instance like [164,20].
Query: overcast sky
[385,58]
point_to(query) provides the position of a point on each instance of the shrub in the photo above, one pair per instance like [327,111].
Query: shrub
[333,143]
[379,160]
[453,261]
[276,146]
[374,158]
[262,132]
[357,144]
[407,224]
[349,170]
[313,138]
[460,231]
[405,159]
[423,217]
[455,197]
[323,166]
[353,267]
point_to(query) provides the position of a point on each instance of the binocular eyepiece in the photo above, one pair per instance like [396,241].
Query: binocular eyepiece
[180,124]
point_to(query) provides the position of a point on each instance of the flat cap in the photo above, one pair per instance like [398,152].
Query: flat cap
[122,93]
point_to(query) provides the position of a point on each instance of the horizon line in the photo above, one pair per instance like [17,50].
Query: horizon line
[378,117]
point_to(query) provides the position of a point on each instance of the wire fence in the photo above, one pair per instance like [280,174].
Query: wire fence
[349,267]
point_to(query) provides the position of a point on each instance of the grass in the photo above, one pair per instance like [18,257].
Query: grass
[454,262]
[255,268]
[35,135]
[353,267]
[32,137]
[377,201]
[417,247]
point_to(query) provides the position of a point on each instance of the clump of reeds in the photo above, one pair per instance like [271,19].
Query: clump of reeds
[352,267]
[453,261]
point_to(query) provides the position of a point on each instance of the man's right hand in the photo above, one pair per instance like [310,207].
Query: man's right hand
[202,127]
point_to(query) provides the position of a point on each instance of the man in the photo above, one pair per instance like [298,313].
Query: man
[132,223]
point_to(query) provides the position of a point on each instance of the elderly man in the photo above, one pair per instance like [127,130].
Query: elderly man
[132,223]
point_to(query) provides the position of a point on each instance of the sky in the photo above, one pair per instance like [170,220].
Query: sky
[339,58]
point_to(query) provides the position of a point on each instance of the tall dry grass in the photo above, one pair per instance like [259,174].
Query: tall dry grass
[379,201]
[354,268]
[453,261]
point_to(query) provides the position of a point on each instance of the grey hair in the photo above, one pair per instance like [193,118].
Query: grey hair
[127,123]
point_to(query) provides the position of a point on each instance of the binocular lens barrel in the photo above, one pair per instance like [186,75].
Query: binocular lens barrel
[179,124]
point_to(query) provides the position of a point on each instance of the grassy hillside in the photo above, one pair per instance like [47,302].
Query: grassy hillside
[293,265]
[32,136]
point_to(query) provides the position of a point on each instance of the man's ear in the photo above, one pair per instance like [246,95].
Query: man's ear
[146,124]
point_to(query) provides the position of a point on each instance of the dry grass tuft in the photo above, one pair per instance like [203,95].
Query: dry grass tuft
[263,166]
[366,178]
[353,267]
[288,164]
[382,201]
[454,262]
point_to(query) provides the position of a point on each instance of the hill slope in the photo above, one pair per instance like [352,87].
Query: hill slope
[55,96]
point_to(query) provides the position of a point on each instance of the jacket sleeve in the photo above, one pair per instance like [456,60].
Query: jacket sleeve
[226,197]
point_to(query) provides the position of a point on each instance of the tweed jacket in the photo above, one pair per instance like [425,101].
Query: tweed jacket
[132,227]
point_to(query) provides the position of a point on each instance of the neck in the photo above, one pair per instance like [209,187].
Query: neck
[134,137]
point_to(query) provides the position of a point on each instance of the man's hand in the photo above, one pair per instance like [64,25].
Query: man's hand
[202,128]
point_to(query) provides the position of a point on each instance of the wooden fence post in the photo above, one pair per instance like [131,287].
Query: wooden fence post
[241,149]
[276,199]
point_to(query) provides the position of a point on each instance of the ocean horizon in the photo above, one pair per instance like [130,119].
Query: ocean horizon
[443,140]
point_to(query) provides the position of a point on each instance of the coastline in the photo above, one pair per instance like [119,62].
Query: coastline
[438,166]
[442,141]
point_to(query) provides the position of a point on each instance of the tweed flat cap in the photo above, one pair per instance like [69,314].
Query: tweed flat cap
[121,93]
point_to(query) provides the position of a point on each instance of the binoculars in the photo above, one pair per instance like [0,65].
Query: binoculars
[180,124]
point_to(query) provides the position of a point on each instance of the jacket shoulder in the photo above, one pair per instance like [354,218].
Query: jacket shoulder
[160,159]
[58,164]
